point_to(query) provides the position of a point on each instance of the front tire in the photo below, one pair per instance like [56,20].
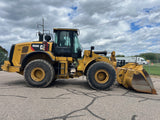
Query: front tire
[101,76]
[39,73]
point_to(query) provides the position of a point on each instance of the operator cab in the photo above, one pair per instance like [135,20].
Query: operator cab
[66,43]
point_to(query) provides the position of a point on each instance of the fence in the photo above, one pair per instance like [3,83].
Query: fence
[153,67]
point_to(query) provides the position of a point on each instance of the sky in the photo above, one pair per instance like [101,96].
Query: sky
[129,27]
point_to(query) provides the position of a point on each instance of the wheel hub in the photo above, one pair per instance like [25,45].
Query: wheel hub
[101,76]
[37,74]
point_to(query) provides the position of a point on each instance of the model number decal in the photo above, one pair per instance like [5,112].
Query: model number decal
[33,45]
[38,47]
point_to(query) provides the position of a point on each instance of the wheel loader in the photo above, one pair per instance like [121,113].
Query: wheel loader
[43,61]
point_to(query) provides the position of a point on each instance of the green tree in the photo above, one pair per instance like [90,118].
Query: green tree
[3,55]
[120,55]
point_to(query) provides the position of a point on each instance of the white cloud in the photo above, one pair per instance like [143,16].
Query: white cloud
[102,23]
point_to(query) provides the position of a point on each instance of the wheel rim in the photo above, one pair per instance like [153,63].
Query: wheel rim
[101,76]
[37,74]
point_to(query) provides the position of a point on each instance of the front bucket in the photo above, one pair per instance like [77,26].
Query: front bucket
[135,77]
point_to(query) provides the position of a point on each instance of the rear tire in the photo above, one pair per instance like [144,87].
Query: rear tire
[101,76]
[39,73]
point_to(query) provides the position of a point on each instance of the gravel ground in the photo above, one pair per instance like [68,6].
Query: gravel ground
[73,99]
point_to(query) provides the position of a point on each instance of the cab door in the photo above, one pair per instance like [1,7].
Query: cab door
[63,44]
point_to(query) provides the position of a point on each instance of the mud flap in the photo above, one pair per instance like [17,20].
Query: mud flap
[135,77]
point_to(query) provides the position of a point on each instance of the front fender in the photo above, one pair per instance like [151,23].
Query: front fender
[37,55]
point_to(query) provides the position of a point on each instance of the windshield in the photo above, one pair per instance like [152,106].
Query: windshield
[77,46]
[142,59]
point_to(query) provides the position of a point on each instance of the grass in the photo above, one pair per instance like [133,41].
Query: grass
[153,69]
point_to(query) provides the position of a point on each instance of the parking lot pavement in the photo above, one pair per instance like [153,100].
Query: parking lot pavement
[73,99]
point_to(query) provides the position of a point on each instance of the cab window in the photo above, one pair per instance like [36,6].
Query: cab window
[77,45]
[64,39]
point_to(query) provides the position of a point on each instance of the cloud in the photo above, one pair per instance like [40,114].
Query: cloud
[129,27]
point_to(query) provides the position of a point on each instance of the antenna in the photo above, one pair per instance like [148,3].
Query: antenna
[41,35]
[42,25]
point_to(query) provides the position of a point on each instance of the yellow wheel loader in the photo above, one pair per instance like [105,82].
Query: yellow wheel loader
[42,62]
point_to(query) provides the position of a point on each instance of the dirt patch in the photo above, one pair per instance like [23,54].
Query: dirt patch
[155,76]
